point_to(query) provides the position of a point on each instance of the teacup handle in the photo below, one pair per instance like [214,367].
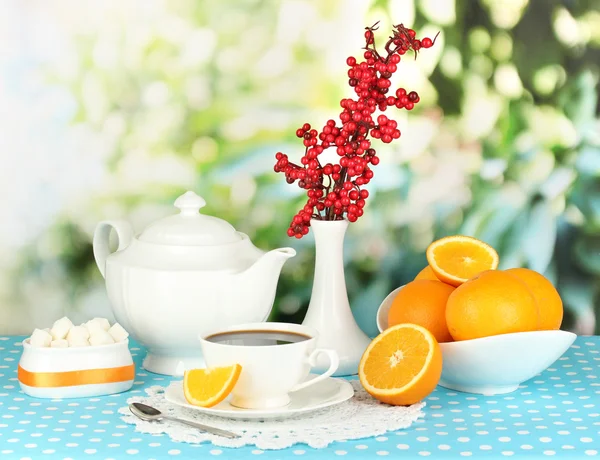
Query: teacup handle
[334,362]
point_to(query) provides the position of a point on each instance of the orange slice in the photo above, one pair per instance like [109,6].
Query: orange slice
[208,387]
[456,259]
[402,365]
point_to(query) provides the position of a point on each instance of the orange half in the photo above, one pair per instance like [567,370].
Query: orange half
[208,387]
[456,259]
[402,365]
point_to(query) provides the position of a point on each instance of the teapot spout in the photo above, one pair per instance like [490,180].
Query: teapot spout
[264,273]
[270,264]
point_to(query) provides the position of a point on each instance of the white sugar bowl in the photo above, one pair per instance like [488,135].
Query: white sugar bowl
[183,275]
[77,372]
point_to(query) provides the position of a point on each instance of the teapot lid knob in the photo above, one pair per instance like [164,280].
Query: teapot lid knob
[189,203]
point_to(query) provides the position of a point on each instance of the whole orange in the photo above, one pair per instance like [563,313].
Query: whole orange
[426,274]
[492,303]
[546,295]
[423,302]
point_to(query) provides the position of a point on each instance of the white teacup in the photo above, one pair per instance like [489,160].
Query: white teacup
[273,364]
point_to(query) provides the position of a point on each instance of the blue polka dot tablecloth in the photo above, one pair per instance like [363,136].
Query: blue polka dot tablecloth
[556,414]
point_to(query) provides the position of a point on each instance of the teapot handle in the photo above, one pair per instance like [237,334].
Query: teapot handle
[101,239]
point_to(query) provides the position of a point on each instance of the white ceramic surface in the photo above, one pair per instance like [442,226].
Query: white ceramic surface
[61,360]
[497,364]
[269,372]
[384,309]
[329,310]
[185,274]
[324,394]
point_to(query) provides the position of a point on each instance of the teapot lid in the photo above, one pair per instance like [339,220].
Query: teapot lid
[189,227]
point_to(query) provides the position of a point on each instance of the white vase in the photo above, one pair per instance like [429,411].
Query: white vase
[329,310]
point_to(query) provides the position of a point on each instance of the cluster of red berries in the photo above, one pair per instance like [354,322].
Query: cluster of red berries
[334,190]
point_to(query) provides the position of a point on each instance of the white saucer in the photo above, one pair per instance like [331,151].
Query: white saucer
[327,393]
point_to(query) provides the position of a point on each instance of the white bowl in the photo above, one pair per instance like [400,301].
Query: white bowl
[497,364]
[75,372]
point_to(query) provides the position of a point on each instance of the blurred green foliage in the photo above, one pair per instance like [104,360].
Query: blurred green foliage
[505,145]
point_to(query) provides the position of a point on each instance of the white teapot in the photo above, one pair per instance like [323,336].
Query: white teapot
[183,275]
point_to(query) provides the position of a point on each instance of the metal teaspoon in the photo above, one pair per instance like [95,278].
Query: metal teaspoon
[148,414]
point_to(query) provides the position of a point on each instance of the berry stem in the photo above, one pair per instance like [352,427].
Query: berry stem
[352,136]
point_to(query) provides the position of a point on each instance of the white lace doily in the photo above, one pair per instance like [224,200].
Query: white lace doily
[360,417]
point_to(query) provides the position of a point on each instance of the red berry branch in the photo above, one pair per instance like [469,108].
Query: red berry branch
[335,191]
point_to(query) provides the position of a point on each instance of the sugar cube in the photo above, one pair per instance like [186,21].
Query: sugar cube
[40,338]
[94,327]
[61,328]
[78,334]
[101,338]
[60,343]
[78,342]
[118,333]
[103,322]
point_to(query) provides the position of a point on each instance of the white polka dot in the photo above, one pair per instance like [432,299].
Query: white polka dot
[586,439]
[482,433]
[71,444]
[526,447]
[30,446]
[114,445]
[463,439]
[444,447]
[403,446]
[337,452]
[504,439]
[466,454]
[154,444]
[485,447]
[90,451]
[382,452]
[299,452]
[258,452]
[422,439]
[7,452]
[381,439]
[424,453]
[174,452]
[549,452]
[132,451]
[591,452]
[362,447]
[545,439]
[507,453]
[48,451]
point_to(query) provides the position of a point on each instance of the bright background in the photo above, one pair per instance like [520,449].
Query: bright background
[112,109]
